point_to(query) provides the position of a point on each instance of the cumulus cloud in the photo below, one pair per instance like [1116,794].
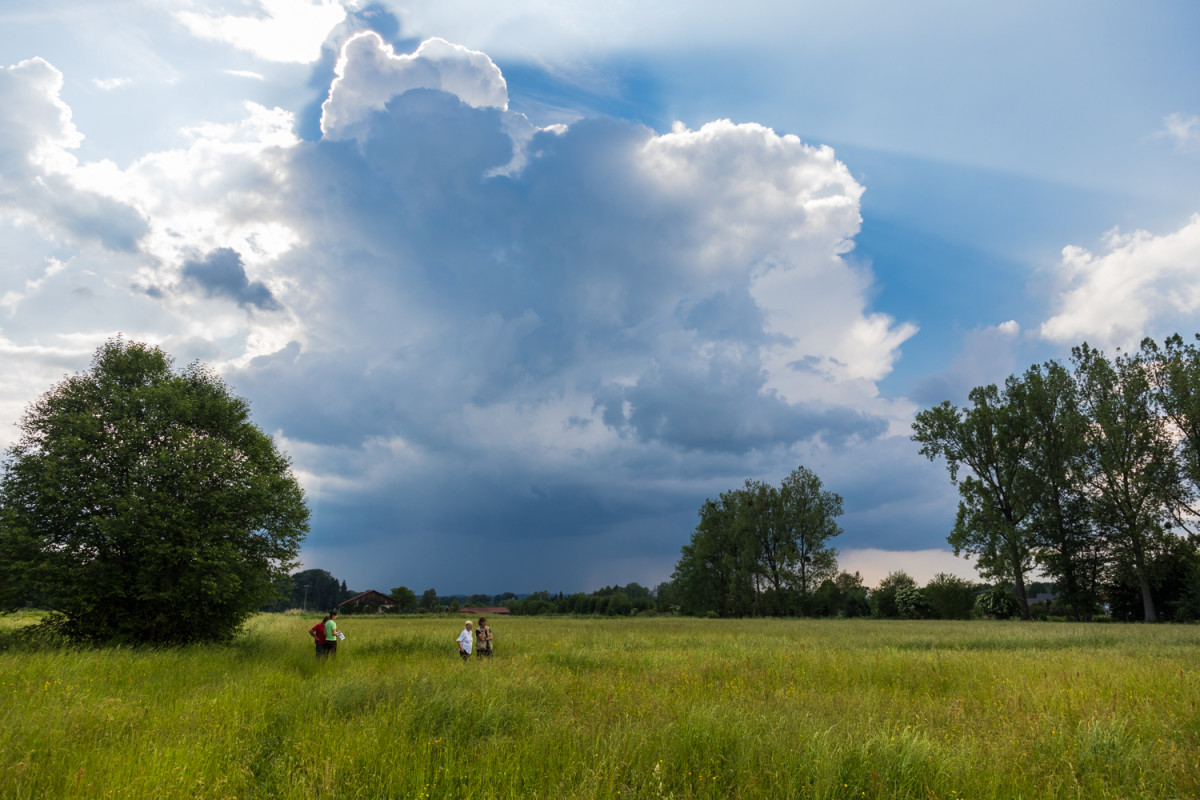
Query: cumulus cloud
[369,73]
[288,31]
[549,335]
[37,135]
[1142,285]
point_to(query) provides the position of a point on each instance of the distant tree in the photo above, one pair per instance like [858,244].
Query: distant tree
[714,572]
[315,589]
[479,600]
[810,515]
[406,598]
[950,597]
[883,598]
[665,597]
[144,505]
[429,600]
[454,606]
[760,549]
[619,605]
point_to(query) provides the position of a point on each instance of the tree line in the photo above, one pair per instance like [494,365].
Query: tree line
[1088,472]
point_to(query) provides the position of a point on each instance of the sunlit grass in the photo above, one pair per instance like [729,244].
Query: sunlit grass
[605,708]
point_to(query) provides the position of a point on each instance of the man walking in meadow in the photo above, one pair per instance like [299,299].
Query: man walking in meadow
[465,642]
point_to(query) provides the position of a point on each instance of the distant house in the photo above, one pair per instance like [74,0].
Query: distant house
[367,600]
[1042,597]
[483,612]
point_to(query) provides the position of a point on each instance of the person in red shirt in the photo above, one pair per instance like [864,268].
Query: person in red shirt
[318,632]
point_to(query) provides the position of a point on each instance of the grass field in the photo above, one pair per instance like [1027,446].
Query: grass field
[608,708]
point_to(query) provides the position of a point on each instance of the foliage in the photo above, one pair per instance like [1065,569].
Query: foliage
[1173,572]
[911,603]
[949,596]
[429,600]
[406,599]
[1089,472]
[316,589]
[990,440]
[760,550]
[883,597]
[999,603]
[144,506]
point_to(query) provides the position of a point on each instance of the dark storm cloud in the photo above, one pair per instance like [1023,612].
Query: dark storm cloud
[222,274]
[546,340]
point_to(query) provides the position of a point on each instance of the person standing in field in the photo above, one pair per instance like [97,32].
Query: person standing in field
[318,633]
[483,639]
[465,640]
[332,634]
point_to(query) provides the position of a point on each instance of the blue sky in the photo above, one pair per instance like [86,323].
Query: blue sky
[518,285]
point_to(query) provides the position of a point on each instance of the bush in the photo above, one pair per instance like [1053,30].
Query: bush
[883,599]
[950,596]
[911,603]
[998,603]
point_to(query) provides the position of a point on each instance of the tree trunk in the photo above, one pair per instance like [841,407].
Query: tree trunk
[1019,581]
[1139,561]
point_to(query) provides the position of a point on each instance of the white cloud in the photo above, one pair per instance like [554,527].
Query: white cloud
[1142,285]
[37,130]
[288,31]
[244,73]
[108,84]
[369,74]
[1183,130]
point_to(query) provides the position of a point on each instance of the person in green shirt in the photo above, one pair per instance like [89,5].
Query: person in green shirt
[331,634]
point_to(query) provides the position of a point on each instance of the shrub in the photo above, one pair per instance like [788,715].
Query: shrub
[950,596]
[911,603]
[883,599]
[999,603]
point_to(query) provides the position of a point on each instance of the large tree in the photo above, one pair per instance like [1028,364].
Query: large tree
[990,439]
[760,549]
[141,504]
[1133,472]
[809,516]
[1068,548]
[1174,371]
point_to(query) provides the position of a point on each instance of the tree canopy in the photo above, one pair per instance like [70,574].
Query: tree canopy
[1089,472]
[761,549]
[142,505]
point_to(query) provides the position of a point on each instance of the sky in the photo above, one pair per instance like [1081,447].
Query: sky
[518,285]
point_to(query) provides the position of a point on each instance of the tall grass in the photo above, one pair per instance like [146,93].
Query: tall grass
[604,708]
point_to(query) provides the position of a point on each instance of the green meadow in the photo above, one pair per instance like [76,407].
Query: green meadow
[658,707]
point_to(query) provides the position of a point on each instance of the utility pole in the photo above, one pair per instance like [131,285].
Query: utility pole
[306,598]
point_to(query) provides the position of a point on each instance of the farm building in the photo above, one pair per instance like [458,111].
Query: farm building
[370,600]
